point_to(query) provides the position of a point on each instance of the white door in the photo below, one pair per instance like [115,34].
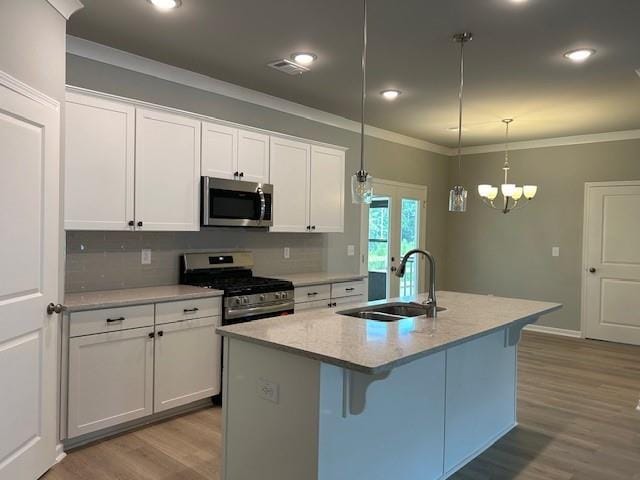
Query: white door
[167,171]
[187,362]
[395,223]
[110,379]
[289,174]
[327,190]
[30,219]
[612,262]
[253,156]
[219,151]
[99,164]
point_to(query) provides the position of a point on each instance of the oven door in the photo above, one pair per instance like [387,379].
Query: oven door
[231,316]
[235,203]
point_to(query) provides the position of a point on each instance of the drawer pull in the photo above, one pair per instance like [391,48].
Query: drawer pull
[191,310]
[350,289]
[312,294]
[113,320]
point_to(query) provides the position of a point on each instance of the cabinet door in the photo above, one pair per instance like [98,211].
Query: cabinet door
[219,151]
[167,171]
[289,174]
[110,379]
[188,367]
[341,302]
[99,163]
[327,190]
[253,156]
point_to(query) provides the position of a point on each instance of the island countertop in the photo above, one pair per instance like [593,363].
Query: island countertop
[371,346]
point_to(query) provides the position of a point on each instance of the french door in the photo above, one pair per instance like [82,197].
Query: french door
[394,224]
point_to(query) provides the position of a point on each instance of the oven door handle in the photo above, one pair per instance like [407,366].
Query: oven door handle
[263,203]
[232,313]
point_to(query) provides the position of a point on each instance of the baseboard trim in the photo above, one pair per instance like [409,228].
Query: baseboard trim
[60,454]
[563,332]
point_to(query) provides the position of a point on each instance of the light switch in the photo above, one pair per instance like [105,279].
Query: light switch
[268,390]
[287,252]
[555,251]
[351,250]
[145,258]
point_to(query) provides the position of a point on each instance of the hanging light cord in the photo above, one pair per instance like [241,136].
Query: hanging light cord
[364,85]
[460,98]
[506,150]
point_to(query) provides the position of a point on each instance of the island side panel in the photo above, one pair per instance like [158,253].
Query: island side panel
[400,433]
[481,397]
[273,438]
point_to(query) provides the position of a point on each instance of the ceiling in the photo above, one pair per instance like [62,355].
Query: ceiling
[514,66]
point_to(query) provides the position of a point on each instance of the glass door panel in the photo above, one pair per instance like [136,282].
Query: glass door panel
[378,266]
[410,239]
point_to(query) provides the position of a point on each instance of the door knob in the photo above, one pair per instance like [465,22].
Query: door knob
[53,308]
[393,268]
[592,270]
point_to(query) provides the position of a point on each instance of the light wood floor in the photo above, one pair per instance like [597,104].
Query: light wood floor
[577,421]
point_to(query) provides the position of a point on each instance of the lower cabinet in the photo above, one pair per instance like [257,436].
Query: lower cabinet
[330,295]
[110,379]
[187,366]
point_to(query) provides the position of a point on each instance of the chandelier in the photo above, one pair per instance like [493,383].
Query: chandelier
[512,195]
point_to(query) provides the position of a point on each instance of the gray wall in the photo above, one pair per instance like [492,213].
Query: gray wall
[325,251]
[510,255]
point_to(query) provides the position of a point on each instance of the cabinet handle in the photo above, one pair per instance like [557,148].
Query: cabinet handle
[140,223]
[308,227]
[350,289]
[335,304]
[313,227]
[191,310]
[112,320]
[131,223]
[241,174]
[160,333]
[235,174]
[329,305]
[312,294]
[151,335]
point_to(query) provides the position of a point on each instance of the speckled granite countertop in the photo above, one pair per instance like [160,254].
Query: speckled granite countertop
[372,347]
[75,302]
[319,278]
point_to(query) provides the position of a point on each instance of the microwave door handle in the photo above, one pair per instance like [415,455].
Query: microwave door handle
[263,203]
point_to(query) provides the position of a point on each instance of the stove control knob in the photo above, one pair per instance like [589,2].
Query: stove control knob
[277,295]
[263,297]
[284,294]
[245,300]
[237,301]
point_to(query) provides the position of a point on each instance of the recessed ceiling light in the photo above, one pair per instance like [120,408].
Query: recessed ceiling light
[304,58]
[390,94]
[166,4]
[579,55]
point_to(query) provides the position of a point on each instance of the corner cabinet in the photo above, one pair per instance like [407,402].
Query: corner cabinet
[308,183]
[129,168]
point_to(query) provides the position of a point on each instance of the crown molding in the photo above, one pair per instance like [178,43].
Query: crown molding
[66,8]
[128,61]
[556,142]
[28,91]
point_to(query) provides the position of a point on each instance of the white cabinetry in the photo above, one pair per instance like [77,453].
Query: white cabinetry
[330,295]
[290,175]
[99,163]
[187,362]
[308,185]
[110,379]
[234,154]
[167,171]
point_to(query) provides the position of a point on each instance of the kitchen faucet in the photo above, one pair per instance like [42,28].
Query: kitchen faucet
[430,304]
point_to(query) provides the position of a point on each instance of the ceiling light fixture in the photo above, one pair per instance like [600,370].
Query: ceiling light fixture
[166,4]
[458,194]
[304,58]
[390,94]
[579,55]
[361,181]
[511,193]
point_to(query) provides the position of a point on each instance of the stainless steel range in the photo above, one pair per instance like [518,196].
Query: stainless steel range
[245,297]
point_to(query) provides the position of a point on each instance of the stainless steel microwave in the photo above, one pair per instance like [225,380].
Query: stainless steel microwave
[236,203]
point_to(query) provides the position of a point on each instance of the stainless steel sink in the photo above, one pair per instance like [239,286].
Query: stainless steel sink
[388,312]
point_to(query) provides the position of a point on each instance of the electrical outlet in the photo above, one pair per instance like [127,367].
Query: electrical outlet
[268,390]
[287,252]
[555,251]
[351,250]
[145,257]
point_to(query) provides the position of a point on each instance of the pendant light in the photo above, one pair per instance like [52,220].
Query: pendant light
[361,181]
[511,194]
[458,194]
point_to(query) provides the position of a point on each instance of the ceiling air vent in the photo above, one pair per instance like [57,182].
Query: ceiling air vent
[288,67]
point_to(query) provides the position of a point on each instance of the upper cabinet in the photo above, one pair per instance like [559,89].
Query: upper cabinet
[167,171]
[99,164]
[234,154]
[308,187]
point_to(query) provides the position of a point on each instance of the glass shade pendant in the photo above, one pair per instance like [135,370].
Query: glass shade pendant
[511,193]
[361,181]
[458,194]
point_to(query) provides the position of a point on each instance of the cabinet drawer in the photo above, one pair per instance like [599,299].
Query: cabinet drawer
[187,309]
[347,289]
[344,301]
[312,293]
[110,320]
[299,307]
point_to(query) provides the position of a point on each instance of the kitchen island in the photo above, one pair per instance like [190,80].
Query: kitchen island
[323,396]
